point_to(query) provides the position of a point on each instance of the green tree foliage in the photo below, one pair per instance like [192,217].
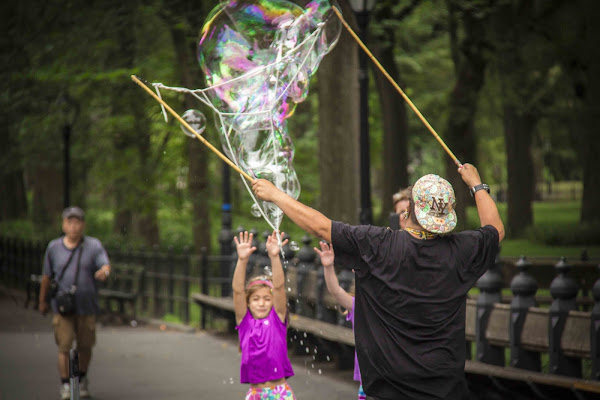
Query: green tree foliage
[142,181]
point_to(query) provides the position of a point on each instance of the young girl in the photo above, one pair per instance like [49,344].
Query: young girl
[262,319]
[345,299]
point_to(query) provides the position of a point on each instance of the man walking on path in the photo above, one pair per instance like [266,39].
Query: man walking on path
[411,285]
[73,264]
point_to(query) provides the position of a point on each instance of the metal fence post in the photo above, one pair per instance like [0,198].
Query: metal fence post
[157,309]
[204,284]
[564,292]
[306,259]
[524,287]
[595,331]
[171,281]
[490,285]
[186,284]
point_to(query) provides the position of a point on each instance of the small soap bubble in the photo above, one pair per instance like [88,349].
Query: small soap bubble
[196,120]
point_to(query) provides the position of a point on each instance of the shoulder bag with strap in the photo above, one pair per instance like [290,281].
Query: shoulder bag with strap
[65,301]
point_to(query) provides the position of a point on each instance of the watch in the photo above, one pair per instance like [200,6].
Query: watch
[476,188]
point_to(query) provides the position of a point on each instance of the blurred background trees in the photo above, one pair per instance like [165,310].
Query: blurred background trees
[511,86]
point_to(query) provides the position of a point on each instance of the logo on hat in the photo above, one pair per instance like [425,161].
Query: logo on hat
[438,207]
[434,204]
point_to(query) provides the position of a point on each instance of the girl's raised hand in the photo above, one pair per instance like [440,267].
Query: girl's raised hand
[244,245]
[273,244]
[326,253]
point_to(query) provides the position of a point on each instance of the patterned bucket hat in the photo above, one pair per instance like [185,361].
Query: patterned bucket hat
[434,204]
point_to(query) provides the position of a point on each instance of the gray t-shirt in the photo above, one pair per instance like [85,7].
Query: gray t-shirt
[93,257]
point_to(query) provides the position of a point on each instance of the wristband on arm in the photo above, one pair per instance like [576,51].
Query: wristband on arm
[476,188]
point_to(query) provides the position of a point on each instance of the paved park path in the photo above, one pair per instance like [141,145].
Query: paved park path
[142,362]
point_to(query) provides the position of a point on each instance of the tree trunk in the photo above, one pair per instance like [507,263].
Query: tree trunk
[395,128]
[518,130]
[184,41]
[47,185]
[519,120]
[339,129]
[590,116]
[135,194]
[393,107]
[146,210]
[13,201]
[470,64]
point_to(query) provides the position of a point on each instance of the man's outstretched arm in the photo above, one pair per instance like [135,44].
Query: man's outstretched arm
[309,219]
[486,207]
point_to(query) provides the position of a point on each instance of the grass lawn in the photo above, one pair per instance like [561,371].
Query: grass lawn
[548,217]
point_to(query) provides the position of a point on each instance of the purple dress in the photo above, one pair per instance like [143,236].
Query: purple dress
[264,349]
[350,317]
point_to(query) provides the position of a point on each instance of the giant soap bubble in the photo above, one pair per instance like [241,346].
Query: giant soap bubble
[257,57]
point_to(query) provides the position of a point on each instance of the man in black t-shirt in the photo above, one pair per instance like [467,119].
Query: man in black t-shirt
[411,285]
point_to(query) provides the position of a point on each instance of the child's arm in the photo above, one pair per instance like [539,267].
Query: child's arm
[244,249]
[327,256]
[279,295]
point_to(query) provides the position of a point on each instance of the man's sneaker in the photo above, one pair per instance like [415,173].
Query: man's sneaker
[65,391]
[84,392]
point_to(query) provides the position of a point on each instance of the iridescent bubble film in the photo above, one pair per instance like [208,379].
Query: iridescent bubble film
[258,57]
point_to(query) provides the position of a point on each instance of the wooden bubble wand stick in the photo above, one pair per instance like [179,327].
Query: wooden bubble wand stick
[393,82]
[189,128]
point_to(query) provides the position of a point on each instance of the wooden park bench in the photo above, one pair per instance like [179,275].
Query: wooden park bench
[124,285]
[574,342]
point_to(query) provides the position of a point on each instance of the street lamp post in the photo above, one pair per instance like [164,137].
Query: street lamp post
[67,165]
[225,236]
[68,111]
[362,9]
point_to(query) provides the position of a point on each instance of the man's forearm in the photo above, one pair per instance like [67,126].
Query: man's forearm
[488,212]
[44,286]
[309,219]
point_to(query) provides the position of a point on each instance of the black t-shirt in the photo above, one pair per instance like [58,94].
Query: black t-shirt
[410,306]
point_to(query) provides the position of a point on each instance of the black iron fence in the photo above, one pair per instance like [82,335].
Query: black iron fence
[562,296]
